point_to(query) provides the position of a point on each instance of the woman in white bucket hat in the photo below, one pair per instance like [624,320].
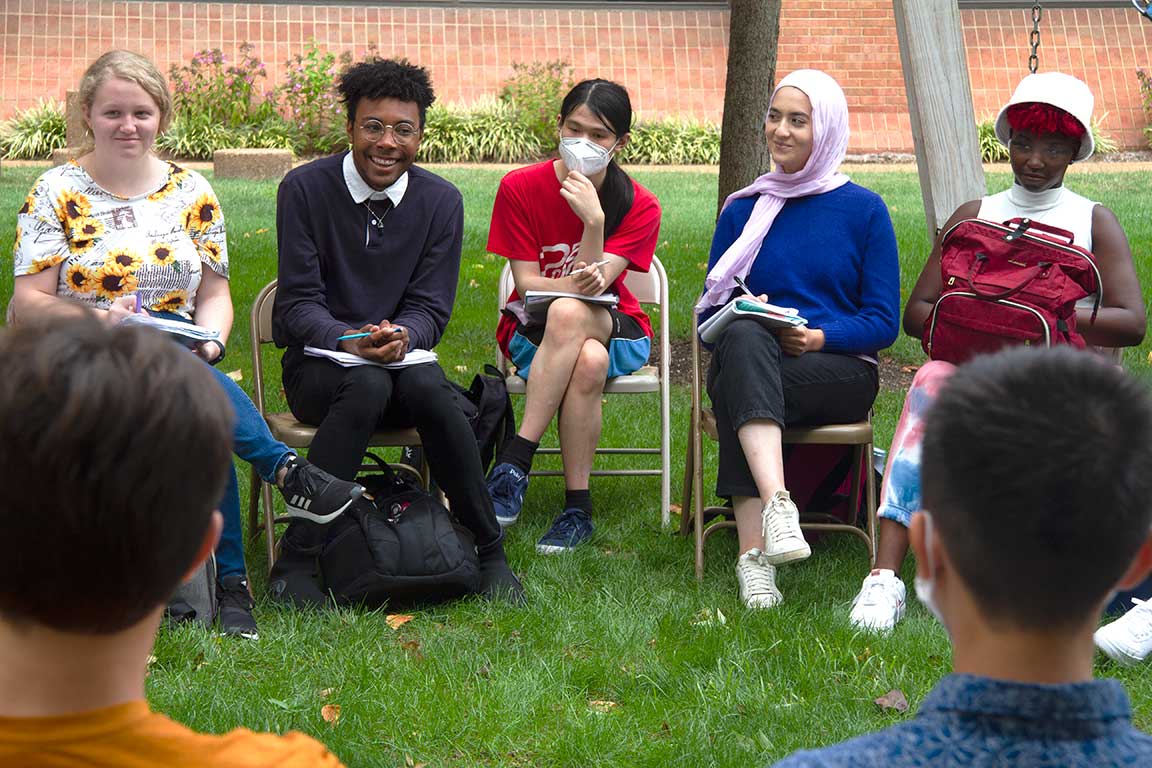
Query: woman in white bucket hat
[1046,126]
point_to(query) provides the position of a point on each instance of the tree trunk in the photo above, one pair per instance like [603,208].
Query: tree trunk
[754,26]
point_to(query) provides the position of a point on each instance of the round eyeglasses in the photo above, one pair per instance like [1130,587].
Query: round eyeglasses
[402,133]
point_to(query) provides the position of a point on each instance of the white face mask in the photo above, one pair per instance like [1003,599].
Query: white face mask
[925,585]
[585,156]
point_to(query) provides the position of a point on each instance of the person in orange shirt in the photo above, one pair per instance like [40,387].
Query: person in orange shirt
[115,445]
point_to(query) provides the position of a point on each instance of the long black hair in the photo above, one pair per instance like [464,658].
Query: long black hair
[609,102]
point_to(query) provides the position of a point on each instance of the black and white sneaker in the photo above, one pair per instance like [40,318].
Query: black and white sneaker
[234,613]
[313,494]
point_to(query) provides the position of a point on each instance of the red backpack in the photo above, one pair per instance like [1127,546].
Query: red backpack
[1008,284]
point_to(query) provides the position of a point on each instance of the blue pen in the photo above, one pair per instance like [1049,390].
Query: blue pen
[137,303]
[351,336]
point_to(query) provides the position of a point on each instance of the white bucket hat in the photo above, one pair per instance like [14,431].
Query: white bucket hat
[1058,90]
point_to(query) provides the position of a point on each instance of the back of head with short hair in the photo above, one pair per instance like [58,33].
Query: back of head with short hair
[114,450]
[386,79]
[1037,470]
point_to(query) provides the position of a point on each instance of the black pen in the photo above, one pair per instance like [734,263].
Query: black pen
[743,286]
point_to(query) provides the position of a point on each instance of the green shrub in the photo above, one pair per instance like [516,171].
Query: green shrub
[673,142]
[193,136]
[535,92]
[211,87]
[991,150]
[1146,99]
[1105,144]
[308,99]
[34,133]
[486,132]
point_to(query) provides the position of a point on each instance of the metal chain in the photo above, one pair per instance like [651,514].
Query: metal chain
[1034,38]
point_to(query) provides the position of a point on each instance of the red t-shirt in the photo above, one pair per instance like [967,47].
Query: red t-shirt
[532,222]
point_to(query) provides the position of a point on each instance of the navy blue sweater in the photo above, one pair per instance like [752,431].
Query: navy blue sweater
[330,281]
[831,256]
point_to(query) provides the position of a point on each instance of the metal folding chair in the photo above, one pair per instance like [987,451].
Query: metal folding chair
[693,513]
[650,288]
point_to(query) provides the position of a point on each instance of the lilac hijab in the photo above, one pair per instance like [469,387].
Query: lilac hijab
[819,175]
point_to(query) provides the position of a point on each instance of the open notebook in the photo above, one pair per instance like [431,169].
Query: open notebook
[347,360]
[741,306]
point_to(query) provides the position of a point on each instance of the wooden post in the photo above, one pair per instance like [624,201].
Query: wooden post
[74,128]
[940,104]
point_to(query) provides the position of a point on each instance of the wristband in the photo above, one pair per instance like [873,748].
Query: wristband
[223,351]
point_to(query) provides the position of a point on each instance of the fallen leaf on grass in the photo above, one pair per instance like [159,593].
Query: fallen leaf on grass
[675,509]
[708,618]
[413,649]
[327,692]
[397,620]
[894,699]
[330,713]
[236,375]
[909,368]
[262,230]
[598,705]
[461,369]
[473,284]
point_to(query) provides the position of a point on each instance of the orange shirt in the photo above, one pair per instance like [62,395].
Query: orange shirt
[131,736]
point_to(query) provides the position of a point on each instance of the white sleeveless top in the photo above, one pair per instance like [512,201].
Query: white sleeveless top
[1059,207]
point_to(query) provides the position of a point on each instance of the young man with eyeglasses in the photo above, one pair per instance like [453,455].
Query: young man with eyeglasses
[369,248]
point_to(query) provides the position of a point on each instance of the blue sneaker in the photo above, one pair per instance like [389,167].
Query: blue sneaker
[506,486]
[572,528]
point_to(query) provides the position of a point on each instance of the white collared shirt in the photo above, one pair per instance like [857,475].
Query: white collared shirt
[360,190]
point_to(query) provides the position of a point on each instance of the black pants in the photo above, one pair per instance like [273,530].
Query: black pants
[349,404]
[751,378]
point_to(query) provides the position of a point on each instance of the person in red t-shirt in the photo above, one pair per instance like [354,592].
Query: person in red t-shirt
[571,225]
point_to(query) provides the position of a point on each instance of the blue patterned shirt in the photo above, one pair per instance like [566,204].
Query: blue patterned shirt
[977,721]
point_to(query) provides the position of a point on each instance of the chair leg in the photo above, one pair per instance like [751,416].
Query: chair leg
[254,483]
[686,496]
[870,503]
[269,523]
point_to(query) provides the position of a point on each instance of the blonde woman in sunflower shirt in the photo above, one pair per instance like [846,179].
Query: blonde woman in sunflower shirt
[119,228]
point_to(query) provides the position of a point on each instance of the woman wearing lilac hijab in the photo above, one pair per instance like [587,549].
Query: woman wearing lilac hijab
[802,236]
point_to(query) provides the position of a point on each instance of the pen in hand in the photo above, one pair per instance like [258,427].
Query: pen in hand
[743,285]
[350,336]
[137,303]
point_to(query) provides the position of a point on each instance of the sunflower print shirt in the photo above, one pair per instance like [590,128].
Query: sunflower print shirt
[109,246]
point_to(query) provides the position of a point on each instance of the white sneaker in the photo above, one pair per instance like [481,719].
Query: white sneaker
[880,603]
[757,579]
[1128,640]
[783,540]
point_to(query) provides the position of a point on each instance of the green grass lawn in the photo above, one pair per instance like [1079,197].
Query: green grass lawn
[614,661]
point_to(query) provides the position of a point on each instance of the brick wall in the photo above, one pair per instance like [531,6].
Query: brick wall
[673,62]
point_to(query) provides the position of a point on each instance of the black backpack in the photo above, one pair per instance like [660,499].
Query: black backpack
[488,408]
[399,547]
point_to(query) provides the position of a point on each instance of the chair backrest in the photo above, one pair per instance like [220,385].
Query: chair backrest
[260,327]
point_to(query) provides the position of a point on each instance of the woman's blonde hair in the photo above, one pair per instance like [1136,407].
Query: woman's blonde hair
[134,68]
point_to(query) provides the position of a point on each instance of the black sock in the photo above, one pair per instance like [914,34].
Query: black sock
[519,453]
[578,500]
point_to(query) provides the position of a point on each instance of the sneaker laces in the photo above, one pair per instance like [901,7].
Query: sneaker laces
[568,523]
[875,592]
[779,522]
[758,577]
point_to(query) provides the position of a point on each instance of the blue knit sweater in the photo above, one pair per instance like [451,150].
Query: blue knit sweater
[831,256]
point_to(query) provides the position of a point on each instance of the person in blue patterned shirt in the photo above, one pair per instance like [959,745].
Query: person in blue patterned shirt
[1037,507]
